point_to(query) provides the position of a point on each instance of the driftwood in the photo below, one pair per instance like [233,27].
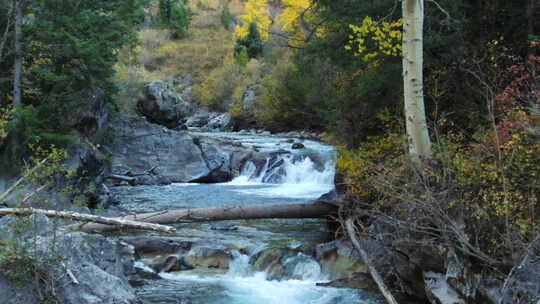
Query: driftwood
[302,210]
[120,223]
[374,273]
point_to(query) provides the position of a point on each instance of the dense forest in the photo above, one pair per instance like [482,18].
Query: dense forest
[331,67]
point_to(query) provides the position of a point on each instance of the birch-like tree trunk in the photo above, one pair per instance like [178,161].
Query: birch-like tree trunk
[18,53]
[413,60]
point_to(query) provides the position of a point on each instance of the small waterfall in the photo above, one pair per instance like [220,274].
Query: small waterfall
[288,175]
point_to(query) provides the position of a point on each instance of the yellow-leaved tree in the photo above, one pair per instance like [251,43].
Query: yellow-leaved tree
[255,11]
[374,38]
[298,20]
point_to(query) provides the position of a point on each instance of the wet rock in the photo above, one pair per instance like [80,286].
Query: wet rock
[169,263]
[271,261]
[174,156]
[359,280]
[339,260]
[297,146]
[157,245]
[146,273]
[208,256]
[224,226]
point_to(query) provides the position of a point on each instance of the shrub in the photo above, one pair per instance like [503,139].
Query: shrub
[181,16]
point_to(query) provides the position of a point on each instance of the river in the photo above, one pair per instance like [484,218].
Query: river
[291,178]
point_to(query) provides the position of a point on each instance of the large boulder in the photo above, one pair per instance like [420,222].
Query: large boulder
[156,155]
[93,264]
[163,105]
[222,122]
[208,255]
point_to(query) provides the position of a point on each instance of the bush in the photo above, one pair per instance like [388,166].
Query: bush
[181,16]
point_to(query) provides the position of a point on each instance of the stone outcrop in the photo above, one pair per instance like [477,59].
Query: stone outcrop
[155,155]
[94,261]
[163,105]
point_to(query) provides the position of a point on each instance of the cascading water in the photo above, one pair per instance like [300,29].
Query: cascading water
[293,177]
[285,175]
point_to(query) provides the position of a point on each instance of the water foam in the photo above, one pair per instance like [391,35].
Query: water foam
[297,179]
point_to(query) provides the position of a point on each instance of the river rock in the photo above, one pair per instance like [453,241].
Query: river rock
[297,146]
[271,261]
[168,263]
[222,122]
[224,226]
[339,260]
[157,245]
[359,280]
[208,255]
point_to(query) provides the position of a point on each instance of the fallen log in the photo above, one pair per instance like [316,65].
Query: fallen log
[119,223]
[124,178]
[374,273]
[301,210]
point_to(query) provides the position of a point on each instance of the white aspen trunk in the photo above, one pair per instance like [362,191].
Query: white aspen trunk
[413,60]
[18,54]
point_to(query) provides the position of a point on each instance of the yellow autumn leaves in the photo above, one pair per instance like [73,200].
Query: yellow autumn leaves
[294,13]
[372,39]
[255,11]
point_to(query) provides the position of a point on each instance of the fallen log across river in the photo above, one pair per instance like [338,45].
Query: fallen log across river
[315,209]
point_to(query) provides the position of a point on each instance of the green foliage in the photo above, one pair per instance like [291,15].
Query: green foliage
[252,43]
[70,51]
[176,16]
[181,16]
[242,57]
[226,17]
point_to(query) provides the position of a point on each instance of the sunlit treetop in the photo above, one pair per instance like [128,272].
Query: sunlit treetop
[256,11]
[299,21]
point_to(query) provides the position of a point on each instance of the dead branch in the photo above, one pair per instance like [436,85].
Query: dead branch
[22,179]
[374,273]
[117,223]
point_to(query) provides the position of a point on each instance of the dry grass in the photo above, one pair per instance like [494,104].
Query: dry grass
[203,50]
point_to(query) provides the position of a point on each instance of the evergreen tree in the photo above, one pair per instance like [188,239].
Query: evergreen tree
[181,16]
[252,43]
[70,50]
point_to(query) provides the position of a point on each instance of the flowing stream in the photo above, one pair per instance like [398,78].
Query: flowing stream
[295,176]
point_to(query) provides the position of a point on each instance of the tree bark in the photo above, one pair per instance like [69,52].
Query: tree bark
[118,223]
[18,53]
[303,210]
[417,131]
[374,273]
